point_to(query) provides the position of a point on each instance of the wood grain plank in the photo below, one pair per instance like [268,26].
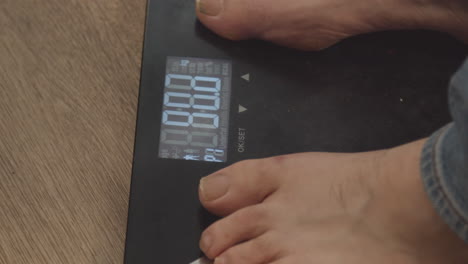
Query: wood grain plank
[69,73]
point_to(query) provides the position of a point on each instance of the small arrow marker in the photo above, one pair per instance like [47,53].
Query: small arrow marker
[246,77]
[242,109]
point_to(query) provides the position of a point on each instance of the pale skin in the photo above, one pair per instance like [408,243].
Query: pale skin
[327,208]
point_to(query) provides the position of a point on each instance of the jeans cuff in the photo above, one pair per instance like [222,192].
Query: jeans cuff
[437,181]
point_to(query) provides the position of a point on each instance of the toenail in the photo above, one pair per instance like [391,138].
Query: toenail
[209,7]
[213,187]
[205,243]
[220,260]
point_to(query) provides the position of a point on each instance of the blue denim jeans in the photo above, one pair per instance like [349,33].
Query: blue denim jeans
[444,161]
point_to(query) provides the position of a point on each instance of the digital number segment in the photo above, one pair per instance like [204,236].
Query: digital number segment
[195,112]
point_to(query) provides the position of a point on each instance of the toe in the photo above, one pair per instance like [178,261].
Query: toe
[243,225]
[263,249]
[301,24]
[289,260]
[240,185]
[232,19]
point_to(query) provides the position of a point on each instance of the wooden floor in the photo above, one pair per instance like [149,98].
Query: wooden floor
[69,73]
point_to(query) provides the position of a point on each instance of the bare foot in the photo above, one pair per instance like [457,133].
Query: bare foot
[328,209]
[317,24]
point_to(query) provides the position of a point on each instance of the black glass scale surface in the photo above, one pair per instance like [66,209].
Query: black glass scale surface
[206,102]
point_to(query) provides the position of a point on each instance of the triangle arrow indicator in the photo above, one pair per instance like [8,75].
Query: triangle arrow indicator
[242,109]
[246,77]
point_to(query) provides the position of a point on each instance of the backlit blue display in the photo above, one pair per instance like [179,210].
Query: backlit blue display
[195,112]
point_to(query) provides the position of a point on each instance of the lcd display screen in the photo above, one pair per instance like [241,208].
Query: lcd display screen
[195,111]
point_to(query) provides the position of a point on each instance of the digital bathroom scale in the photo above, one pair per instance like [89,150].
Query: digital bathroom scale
[206,102]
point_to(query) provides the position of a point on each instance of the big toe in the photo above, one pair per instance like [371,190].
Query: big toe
[300,24]
[232,19]
[242,184]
